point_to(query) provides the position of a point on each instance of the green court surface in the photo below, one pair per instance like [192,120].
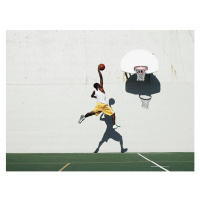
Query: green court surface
[100,162]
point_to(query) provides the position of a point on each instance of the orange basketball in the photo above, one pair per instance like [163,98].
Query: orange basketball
[101,66]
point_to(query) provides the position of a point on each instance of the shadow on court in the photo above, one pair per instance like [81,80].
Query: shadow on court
[110,133]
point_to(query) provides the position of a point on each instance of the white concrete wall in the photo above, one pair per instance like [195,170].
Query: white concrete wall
[50,76]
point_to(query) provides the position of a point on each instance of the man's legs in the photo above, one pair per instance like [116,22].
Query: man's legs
[107,110]
[84,116]
[113,118]
[89,114]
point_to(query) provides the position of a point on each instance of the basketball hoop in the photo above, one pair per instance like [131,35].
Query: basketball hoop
[140,70]
[145,101]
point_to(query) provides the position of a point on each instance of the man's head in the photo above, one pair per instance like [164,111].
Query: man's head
[96,86]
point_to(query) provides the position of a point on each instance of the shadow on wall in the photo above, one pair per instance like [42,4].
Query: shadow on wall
[110,133]
[150,86]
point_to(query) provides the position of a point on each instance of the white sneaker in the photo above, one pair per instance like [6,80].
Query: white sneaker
[115,126]
[82,117]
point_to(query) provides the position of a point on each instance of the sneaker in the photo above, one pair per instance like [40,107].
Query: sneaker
[115,126]
[82,117]
[124,150]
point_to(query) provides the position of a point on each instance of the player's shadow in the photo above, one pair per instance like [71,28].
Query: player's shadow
[150,86]
[110,133]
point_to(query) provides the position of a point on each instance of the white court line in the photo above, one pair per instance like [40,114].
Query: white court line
[153,162]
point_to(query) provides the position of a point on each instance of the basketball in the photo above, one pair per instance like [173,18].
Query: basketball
[101,67]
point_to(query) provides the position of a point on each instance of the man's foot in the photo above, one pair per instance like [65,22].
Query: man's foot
[124,150]
[82,117]
[116,126]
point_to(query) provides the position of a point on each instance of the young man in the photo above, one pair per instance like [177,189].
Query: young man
[101,105]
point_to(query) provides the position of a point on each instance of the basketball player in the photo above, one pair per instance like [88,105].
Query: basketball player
[101,105]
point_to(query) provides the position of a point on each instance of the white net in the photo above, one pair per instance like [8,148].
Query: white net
[145,101]
[140,77]
[140,70]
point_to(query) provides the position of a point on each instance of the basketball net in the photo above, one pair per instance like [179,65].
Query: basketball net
[145,101]
[141,71]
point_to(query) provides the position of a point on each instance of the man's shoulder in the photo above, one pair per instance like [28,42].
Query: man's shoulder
[102,90]
[101,86]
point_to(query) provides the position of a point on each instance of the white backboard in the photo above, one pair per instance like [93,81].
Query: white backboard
[139,57]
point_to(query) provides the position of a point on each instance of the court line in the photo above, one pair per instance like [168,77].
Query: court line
[153,162]
[35,163]
[64,167]
[86,162]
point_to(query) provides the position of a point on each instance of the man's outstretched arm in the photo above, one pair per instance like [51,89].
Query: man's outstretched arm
[101,78]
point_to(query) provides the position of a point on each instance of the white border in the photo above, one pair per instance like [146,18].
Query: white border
[106,15]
